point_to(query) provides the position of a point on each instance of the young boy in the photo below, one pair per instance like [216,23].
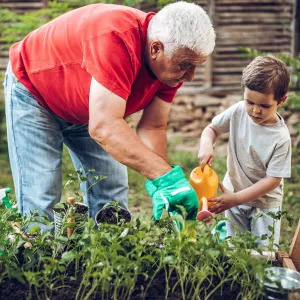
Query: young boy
[259,150]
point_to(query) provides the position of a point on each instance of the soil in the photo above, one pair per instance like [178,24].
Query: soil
[113,215]
[80,208]
[156,291]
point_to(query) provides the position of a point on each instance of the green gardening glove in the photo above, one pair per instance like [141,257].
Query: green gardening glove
[172,189]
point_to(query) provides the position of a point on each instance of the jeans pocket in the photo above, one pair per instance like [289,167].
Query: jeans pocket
[22,89]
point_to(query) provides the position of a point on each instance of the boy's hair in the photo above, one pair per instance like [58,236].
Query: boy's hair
[267,75]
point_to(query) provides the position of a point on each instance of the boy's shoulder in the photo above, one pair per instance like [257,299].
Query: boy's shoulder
[236,108]
[282,129]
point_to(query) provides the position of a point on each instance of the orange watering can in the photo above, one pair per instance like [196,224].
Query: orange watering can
[205,183]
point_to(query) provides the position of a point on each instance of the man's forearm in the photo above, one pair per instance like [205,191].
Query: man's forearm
[120,141]
[259,189]
[155,140]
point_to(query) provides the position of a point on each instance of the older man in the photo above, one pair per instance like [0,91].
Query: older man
[72,82]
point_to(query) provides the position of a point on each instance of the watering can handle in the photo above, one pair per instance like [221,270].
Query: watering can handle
[206,171]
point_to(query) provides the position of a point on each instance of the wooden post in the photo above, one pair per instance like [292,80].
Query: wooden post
[45,3]
[208,66]
[295,248]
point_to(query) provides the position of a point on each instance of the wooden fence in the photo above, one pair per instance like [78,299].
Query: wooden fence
[266,25]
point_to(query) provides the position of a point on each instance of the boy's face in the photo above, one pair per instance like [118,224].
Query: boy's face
[262,108]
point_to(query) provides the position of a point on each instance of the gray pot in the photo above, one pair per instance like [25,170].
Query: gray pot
[112,214]
[59,218]
[288,279]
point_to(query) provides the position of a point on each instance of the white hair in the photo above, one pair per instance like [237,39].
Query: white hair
[183,25]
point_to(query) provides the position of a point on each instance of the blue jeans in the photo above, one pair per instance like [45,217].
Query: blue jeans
[35,143]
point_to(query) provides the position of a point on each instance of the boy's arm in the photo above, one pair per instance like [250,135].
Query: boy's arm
[229,199]
[220,124]
[206,151]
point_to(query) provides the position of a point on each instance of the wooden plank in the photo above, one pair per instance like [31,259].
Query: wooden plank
[254,20]
[269,48]
[233,56]
[254,41]
[253,15]
[227,79]
[288,263]
[24,5]
[254,8]
[213,90]
[281,255]
[252,27]
[5,1]
[229,2]
[248,35]
[228,69]
[294,252]
[231,63]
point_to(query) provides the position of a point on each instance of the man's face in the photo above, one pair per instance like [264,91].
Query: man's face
[181,66]
[261,108]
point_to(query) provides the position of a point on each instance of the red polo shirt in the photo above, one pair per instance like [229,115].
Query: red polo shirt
[57,61]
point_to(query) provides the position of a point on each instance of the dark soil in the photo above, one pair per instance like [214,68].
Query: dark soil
[80,209]
[14,290]
[113,215]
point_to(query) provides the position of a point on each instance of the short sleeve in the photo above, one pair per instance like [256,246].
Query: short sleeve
[221,122]
[280,162]
[167,93]
[111,62]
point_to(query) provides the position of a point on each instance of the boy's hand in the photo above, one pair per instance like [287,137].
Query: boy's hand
[227,200]
[205,156]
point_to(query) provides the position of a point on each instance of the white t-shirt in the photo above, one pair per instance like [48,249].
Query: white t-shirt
[254,152]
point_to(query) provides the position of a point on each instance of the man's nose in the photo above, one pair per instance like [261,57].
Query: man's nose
[190,74]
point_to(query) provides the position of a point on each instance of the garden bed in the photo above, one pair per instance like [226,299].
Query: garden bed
[135,260]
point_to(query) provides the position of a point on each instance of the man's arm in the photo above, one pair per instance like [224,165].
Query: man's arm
[108,128]
[153,125]
[229,199]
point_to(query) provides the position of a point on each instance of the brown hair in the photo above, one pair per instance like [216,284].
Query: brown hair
[267,75]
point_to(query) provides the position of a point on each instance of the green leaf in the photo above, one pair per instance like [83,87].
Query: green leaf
[59,206]
[69,255]
[61,238]
[34,229]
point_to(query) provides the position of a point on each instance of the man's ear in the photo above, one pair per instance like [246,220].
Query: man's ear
[155,48]
[282,101]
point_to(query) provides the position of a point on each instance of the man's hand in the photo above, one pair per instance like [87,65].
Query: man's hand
[172,189]
[227,200]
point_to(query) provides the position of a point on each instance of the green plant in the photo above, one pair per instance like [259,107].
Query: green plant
[126,261]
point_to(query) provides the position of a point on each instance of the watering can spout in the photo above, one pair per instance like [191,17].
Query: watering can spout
[205,183]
